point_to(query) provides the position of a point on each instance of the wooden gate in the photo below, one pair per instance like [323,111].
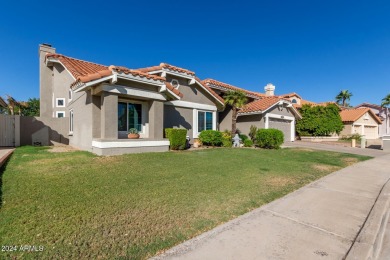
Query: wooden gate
[7,130]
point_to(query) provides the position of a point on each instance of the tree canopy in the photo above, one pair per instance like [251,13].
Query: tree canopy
[343,97]
[319,121]
[236,99]
[386,101]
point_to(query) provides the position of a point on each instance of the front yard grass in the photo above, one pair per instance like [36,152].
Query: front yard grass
[78,205]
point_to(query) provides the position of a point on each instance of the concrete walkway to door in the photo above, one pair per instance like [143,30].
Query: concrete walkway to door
[319,221]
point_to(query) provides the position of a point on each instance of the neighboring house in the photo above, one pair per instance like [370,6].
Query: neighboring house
[262,110]
[3,104]
[383,113]
[103,102]
[361,121]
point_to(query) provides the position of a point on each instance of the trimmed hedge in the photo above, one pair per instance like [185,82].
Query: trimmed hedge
[248,143]
[211,137]
[243,137]
[269,138]
[177,138]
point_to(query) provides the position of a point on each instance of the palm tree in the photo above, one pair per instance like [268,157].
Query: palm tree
[236,99]
[343,96]
[14,105]
[385,104]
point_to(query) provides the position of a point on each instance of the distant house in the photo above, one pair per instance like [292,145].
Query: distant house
[361,121]
[2,103]
[383,113]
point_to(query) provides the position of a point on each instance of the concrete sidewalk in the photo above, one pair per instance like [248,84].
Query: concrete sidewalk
[336,148]
[319,221]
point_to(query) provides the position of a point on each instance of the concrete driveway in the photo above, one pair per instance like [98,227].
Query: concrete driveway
[319,221]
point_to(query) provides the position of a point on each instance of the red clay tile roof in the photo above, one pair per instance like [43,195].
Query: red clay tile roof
[261,104]
[351,115]
[167,66]
[84,71]
[290,95]
[213,82]
[210,90]
[173,89]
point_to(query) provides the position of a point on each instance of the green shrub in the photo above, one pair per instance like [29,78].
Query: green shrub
[269,138]
[248,143]
[211,137]
[252,133]
[227,139]
[177,138]
[243,137]
[319,121]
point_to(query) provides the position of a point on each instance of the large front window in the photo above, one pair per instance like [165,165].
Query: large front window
[129,116]
[205,121]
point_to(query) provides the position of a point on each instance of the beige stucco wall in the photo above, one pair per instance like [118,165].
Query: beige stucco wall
[370,120]
[245,122]
[193,93]
[347,130]
[178,117]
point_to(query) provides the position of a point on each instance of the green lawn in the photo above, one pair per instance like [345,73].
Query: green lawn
[78,205]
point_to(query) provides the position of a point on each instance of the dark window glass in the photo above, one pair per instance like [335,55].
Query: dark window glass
[135,116]
[201,126]
[294,101]
[122,117]
[209,121]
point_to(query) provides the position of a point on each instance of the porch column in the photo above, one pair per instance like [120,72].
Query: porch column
[156,119]
[109,116]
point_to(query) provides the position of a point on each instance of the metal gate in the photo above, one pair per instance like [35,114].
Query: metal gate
[7,130]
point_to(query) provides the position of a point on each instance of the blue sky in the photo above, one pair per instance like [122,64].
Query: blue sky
[314,48]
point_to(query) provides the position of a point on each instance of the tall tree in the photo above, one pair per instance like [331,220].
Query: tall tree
[386,101]
[31,107]
[343,97]
[236,99]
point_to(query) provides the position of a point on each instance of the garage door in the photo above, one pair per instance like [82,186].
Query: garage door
[371,132]
[282,125]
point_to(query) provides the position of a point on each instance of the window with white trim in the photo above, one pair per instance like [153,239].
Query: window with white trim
[129,116]
[175,83]
[60,114]
[205,121]
[60,102]
[71,121]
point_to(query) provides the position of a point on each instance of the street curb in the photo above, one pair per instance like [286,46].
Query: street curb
[4,158]
[368,243]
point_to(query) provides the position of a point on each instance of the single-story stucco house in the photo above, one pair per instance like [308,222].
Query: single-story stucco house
[361,121]
[383,113]
[103,102]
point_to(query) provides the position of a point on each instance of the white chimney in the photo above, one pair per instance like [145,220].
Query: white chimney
[269,89]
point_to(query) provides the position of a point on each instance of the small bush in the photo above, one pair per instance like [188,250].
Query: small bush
[243,137]
[177,138]
[248,143]
[211,137]
[252,133]
[269,138]
[227,139]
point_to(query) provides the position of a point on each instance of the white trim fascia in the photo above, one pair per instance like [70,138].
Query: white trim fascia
[129,144]
[118,89]
[250,113]
[223,89]
[210,93]
[289,118]
[192,81]
[172,72]
[55,60]
[92,83]
[360,124]
[187,104]
[195,123]
[284,102]
[140,79]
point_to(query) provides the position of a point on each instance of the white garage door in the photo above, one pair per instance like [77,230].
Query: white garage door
[371,132]
[282,125]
